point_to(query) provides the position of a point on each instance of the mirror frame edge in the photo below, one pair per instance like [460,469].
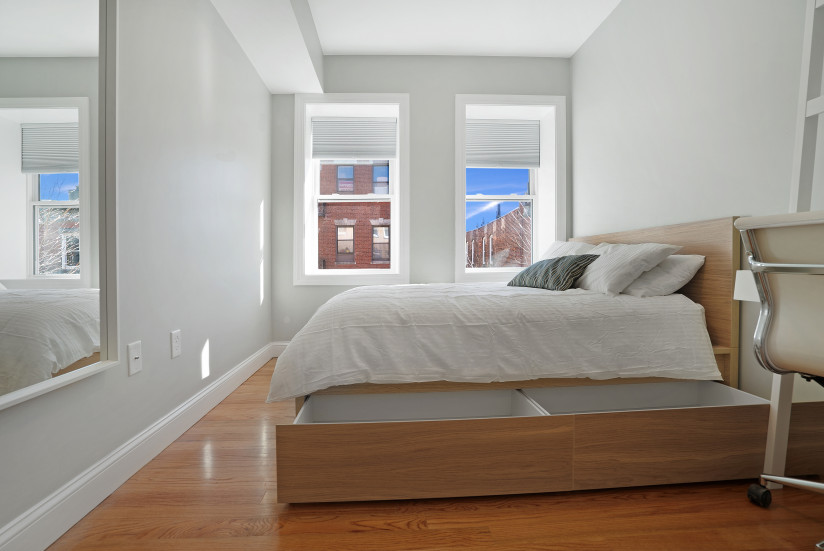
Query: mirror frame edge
[106,146]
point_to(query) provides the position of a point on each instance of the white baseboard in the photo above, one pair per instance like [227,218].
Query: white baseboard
[41,525]
[278,347]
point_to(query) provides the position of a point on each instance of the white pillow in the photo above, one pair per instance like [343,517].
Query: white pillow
[566,248]
[2,287]
[619,265]
[670,275]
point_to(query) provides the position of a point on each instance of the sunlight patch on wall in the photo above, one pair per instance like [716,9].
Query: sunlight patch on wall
[262,286]
[204,360]
[262,244]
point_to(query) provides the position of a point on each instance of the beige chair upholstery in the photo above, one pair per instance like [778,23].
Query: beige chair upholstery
[791,248]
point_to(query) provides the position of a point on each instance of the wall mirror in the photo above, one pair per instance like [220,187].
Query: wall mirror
[54,327]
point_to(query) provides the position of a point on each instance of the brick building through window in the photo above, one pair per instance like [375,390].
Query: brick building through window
[354,234]
[504,242]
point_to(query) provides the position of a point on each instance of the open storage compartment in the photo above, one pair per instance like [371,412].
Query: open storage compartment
[638,397]
[414,445]
[660,433]
[416,406]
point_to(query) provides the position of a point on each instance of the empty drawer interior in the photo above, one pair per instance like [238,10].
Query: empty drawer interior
[637,397]
[416,406]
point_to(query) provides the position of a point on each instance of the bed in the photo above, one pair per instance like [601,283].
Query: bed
[547,427]
[491,332]
[710,292]
[45,333]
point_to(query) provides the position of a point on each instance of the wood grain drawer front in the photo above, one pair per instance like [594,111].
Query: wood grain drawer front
[370,447]
[661,433]
[669,446]
[408,460]
[805,453]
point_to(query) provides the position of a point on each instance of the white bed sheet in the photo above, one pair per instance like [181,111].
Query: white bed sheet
[44,330]
[489,332]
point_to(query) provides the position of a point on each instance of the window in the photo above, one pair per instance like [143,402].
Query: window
[510,183]
[54,159]
[346,179]
[56,224]
[346,244]
[351,196]
[380,178]
[488,217]
[380,243]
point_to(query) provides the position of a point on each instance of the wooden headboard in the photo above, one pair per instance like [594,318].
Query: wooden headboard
[712,286]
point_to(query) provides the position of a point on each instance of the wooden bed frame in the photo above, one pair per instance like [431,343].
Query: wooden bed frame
[584,449]
[89,360]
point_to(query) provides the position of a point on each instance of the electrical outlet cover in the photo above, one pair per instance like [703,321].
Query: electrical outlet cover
[177,343]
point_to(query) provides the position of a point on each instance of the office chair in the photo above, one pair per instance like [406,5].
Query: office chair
[786,256]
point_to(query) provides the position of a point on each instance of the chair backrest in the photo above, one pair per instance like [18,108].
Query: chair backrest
[792,313]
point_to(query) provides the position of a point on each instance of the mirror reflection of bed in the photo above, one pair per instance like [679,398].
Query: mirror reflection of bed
[49,282]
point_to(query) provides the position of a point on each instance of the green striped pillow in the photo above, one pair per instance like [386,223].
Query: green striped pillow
[555,274]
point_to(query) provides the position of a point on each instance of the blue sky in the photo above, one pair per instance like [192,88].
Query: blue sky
[493,181]
[56,187]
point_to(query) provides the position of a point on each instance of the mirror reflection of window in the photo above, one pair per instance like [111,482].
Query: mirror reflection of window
[47,281]
[56,231]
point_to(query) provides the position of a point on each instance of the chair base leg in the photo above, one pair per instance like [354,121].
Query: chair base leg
[759,495]
[817,487]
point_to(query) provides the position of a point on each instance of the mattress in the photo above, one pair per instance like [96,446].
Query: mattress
[43,331]
[486,332]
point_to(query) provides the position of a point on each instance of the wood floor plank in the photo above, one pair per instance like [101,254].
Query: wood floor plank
[215,489]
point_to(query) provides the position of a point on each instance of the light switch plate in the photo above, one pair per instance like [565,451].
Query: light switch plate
[135,352]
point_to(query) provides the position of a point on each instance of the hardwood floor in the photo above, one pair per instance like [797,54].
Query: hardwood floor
[214,489]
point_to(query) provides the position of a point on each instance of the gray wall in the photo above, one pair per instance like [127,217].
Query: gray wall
[685,111]
[12,204]
[431,82]
[46,77]
[193,153]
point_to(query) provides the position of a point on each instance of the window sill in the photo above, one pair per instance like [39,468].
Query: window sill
[487,274]
[350,277]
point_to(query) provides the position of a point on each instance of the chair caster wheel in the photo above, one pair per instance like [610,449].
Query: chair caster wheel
[759,495]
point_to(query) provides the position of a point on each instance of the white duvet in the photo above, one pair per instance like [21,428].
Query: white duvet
[490,332]
[44,330]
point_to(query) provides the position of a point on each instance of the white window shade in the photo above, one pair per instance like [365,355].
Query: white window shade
[50,148]
[354,138]
[503,143]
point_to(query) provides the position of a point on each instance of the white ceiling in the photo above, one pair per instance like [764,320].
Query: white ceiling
[285,41]
[48,28]
[535,28]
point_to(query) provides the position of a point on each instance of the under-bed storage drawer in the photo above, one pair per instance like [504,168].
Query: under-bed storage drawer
[449,444]
[660,433]
[415,445]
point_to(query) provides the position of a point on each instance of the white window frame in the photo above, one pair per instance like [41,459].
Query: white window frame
[548,191]
[83,279]
[32,249]
[307,195]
